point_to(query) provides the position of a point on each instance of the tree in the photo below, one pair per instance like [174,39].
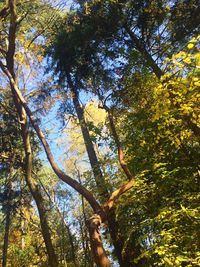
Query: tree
[95,221]
[166,163]
[123,53]
[25,133]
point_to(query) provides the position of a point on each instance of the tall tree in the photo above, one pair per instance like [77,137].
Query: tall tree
[96,220]
[25,133]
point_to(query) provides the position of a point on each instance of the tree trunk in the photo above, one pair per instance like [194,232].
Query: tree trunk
[6,235]
[147,56]
[99,179]
[34,188]
[7,227]
[37,195]
[66,178]
[32,184]
[118,144]
[21,105]
[61,214]
[99,253]
[100,182]
[133,251]
[86,246]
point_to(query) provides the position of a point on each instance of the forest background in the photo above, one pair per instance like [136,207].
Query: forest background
[100,127]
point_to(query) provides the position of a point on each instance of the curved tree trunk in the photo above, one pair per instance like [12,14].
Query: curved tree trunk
[97,208]
[33,186]
[121,158]
[99,179]
[134,251]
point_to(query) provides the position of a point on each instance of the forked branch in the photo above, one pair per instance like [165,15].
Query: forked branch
[116,194]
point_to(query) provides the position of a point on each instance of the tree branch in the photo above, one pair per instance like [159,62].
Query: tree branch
[116,194]
[11,36]
[67,179]
[141,48]
[4,12]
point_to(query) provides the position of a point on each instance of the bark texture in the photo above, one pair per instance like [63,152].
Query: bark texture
[34,188]
[99,179]
[118,144]
[99,253]
[98,176]
[7,227]
[66,178]
[37,195]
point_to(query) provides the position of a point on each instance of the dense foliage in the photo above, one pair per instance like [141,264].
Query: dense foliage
[114,86]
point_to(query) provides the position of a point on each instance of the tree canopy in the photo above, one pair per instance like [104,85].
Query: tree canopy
[100,133]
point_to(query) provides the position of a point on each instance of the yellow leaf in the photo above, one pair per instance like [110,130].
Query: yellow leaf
[190,46]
